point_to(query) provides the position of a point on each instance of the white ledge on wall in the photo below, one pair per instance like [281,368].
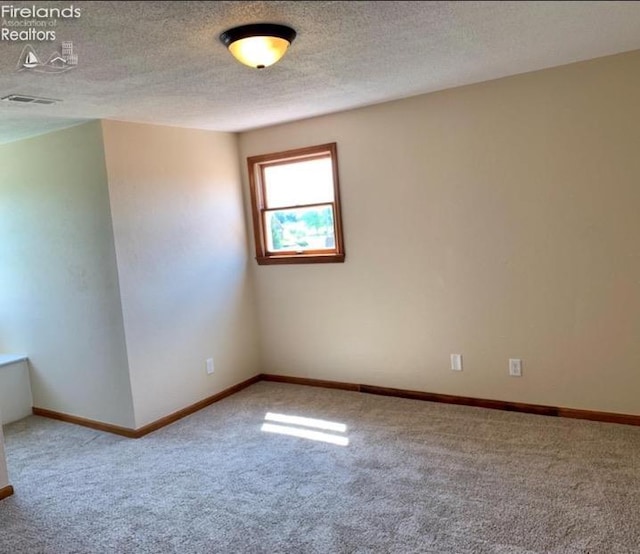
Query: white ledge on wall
[6,359]
[15,388]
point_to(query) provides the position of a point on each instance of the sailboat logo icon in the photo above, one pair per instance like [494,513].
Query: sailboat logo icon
[58,62]
[29,59]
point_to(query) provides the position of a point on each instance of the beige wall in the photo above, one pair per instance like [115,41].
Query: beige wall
[176,201]
[59,296]
[179,258]
[496,220]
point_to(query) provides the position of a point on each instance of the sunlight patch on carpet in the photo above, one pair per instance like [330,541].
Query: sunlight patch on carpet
[305,428]
[306,422]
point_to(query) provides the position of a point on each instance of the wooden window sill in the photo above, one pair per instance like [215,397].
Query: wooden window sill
[301,259]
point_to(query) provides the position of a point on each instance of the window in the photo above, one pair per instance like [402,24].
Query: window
[296,206]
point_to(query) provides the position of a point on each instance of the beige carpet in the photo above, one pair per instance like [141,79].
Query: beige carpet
[414,477]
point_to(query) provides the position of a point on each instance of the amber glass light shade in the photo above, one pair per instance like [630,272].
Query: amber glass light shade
[259,45]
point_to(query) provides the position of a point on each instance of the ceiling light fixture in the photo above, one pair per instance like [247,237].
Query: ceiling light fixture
[259,45]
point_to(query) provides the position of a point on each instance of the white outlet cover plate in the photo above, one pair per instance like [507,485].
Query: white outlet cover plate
[456,362]
[515,367]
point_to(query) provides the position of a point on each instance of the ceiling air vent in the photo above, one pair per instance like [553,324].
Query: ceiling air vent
[24,99]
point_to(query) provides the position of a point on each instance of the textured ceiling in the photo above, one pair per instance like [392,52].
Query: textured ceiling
[161,62]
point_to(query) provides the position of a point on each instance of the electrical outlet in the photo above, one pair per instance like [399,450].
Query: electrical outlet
[515,367]
[210,367]
[456,362]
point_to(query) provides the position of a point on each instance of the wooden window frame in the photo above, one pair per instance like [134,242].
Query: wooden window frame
[256,166]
